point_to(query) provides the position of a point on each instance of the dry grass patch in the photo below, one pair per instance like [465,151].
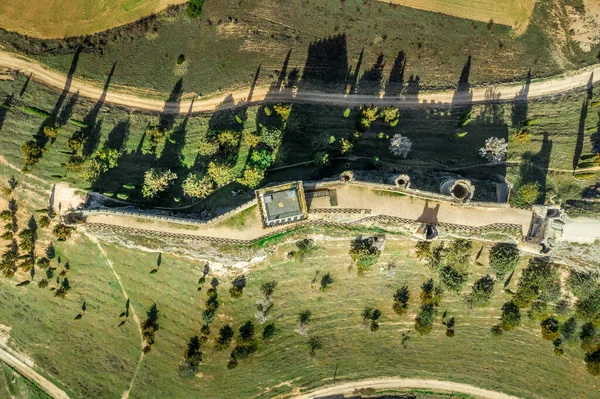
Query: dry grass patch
[514,13]
[62,18]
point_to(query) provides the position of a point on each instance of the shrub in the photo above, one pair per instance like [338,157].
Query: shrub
[494,150]
[540,279]
[425,318]
[194,8]
[326,281]
[305,247]
[550,329]
[431,294]
[283,110]
[228,138]
[157,180]
[271,136]
[588,308]
[568,329]
[192,358]
[321,159]
[525,195]
[401,298]
[261,158]
[314,344]
[181,59]
[219,173]
[268,331]
[522,136]
[592,362]
[76,141]
[504,258]
[582,283]
[268,288]
[539,311]
[32,152]
[346,146]
[496,331]
[364,252]
[197,186]
[225,337]
[51,132]
[511,316]
[389,114]
[238,285]
[208,147]
[483,291]
[252,139]
[62,232]
[452,279]
[104,160]
[366,116]
[423,250]
[252,177]
[247,331]
[347,112]
[400,146]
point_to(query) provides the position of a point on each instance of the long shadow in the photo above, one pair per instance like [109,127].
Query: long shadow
[354,76]
[463,96]
[4,108]
[531,174]
[519,105]
[582,117]
[395,82]
[371,81]
[67,111]
[171,108]
[172,154]
[26,85]
[65,92]
[93,130]
[117,137]
[326,65]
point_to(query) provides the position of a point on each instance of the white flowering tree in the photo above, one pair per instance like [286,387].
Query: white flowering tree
[494,150]
[400,146]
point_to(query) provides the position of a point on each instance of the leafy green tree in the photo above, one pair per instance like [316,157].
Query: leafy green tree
[208,147]
[225,337]
[504,258]
[425,318]
[365,253]
[51,132]
[252,177]
[194,8]
[423,250]
[268,288]
[283,110]
[229,138]
[550,329]
[305,247]
[322,159]
[62,232]
[452,279]
[389,114]
[105,159]
[568,329]
[540,279]
[539,311]
[588,308]
[157,180]
[592,362]
[268,331]
[511,316]
[482,292]
[238,285]
[219,173]
[582,283]
[525,195]
[401,298]
[590,340]
[314,343]
[197,186]
[262,159]
[192,358]
[32,152]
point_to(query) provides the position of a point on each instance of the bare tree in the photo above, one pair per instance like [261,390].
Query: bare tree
[400,146]
[494,150]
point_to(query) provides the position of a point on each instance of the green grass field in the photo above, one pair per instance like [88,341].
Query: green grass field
[231,40]
[282,365]
[13,384]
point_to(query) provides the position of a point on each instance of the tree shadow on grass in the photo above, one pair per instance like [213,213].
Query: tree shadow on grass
[371,81]
[534,168]
[395,82]
[93,131]
[582,118]
[4,108]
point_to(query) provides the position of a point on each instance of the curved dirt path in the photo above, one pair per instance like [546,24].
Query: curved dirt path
[140,99]
[32,375]
[406,383]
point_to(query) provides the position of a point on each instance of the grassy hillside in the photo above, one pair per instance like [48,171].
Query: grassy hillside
[331,42]
[521,363]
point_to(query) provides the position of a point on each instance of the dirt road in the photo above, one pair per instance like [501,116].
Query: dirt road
[406,383]
[29,373]
[143,100]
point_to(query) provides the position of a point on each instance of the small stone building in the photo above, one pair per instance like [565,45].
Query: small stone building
[282,204]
